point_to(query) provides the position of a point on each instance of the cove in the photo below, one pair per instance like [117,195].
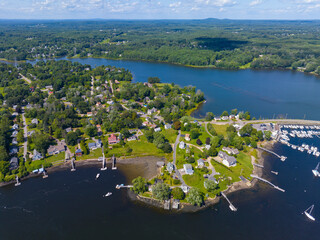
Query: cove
[265,94]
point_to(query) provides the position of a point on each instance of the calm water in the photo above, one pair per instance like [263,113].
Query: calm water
[265,94]
[69,205]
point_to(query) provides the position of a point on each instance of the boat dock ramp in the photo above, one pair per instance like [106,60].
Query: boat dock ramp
[266,181]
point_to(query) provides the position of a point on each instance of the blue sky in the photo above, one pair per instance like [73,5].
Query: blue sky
[159,9]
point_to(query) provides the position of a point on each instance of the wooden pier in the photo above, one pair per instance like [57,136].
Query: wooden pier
[282,158]
[266,181]
[113,159]
[231,206]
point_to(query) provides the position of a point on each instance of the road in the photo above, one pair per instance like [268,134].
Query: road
[206,127]
[175,158]
[25,135]
[25,78]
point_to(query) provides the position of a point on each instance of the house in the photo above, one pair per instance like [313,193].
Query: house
[78,152]
[188,169]
[89,114]
[224,118]
[14,141]
[185,188]
[158,129]
[187,137]
[36,155]
[222,155]
[14,163]
[56,149]
[35,121]
[13,150]
[200,163]
[170,167]
[151,111]
[232,117]
[113,139]
[182,145]
[207,146]
[15,114]
[14,134]
[147,84]
[92,146]
[69,129]
[167,126]
[230,161]
[15,126]
[175,204]
[132,138]
[230,151]
[30,133]
[217,118]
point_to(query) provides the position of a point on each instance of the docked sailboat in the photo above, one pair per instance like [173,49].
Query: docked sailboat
[315,171]
[308,213]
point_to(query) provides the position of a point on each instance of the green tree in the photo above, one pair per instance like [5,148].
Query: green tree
[161,191]
[154,80]
[194,133]
[225,113]
[72,138]
[84,147]
[3,154]
[125,133]
[210,185]
[91,131]
[267,135]
[20,137]
[139,185]
[209,116]
[177,125]
[177,193]
[195,197]
[167,147]
[41,142]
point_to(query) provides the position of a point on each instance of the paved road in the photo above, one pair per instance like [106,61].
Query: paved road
[175,158]
[25,78]
[25,135]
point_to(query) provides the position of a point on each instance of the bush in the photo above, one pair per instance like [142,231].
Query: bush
[177,193]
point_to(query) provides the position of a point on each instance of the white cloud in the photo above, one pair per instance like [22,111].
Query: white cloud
[175,5]
[255,2]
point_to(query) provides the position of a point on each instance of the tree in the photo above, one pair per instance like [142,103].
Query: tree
[209,116]
[41,142]
[212,152]
[190,160]
[195,197]
[91,131]
[260,135]
[246,130]
[161,191]
[125,133]
[84,147]
[210,185]
[177,193]
[208,140]
[194,133]
[199,142]
[253,144]
[225,113]
[20,137]
[154,80]
[234,111]
[267,135]
[139,185]
[167,147]
[72,138]
[149,135]
[177,125]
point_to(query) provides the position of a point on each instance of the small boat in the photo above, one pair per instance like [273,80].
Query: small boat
[108,194]
[315,171]
[308,213]
[275,173]
[97,176]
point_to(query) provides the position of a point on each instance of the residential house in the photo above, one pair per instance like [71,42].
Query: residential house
[15,126]
[230,151]
[188,169]
[158,129]
[182,145]
[222,155]
[69,129]
[92,146]
[15,114]
[187,137]
[151,111]
[56,149]
[217,118]
[14,163]
[207,147]
[167,126]
[78,152]
[170,167]
[185,188]
[230,161]
[132,138]
[14,141]
[200,163]
[30,133]
[89,114]
[147,84]
[13,150]
[113,139]
[14,134]
[225,118]
[36,155]
[35,121]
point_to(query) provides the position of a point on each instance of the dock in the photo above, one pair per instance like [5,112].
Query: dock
[231,206]
[266,181]
[113,159]
[282,158]
[258,165]
[119,186]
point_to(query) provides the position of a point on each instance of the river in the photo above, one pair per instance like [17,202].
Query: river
[69,205]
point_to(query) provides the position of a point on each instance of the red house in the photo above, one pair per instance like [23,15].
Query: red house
[113,139]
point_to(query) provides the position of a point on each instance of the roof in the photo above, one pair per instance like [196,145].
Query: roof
[231,160]
[93,144]
[79,150]
[187,166]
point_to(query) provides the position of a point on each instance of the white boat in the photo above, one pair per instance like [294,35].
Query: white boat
[97,176]
[315,171]
[308,213]
[108,194]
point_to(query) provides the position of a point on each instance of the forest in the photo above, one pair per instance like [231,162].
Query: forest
[225,44]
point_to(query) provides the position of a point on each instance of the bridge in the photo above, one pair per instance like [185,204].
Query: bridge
[282,158]
[266,181]
[233,208]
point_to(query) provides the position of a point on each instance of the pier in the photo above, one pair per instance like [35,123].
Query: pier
[282,158]
[113,159]
[72,165]
[266,181]
[233,208]
[257,165]
[119,186]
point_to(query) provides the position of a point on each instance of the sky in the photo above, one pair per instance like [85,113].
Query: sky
[159,9]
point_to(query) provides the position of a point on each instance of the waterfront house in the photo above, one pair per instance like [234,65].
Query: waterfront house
[232,151]
[170,167]
[78,152]
[36,155]
[56,149]
[160,164]
[187,137]
[182,145]
[175,204]
[200,163]
[224,118]
[113,139]
[217,118]
[230,161]
[188,169]
[14,163]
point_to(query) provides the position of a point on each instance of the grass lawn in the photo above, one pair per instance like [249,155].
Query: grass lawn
[221,129]
[57,157]
[170,134]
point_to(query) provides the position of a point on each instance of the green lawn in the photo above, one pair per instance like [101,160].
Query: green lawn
[170,134]
[221,129]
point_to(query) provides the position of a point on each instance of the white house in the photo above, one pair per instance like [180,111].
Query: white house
[158,129]
[35,121]
[187,137]
[188,169]
[182,145]
[200,163]
[230,161]
[167,126]
[170,167]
